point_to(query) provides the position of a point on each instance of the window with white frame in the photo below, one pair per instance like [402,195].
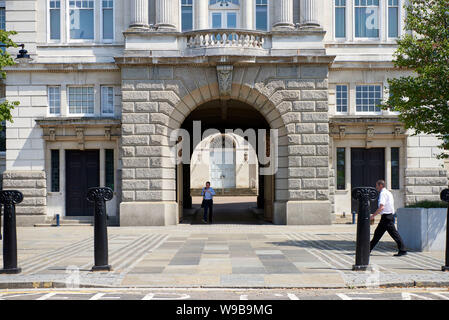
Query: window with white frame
[341,91]
[107,100]
[54,100]
[186,15]
[107,16]
[366,18]
[81,100]
[340,18]
[262,15]
[55,19]
[2,18]
[224,14]
[393,18]
[81,15]
[368,97]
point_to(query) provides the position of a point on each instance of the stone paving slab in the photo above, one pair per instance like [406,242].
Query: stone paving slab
[217,256]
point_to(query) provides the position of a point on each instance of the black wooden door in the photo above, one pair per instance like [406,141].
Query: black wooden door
[367,166]
[82,173]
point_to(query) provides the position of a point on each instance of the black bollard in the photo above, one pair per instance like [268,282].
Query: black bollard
[99,196]
[364,195]
[9,199]
[445,197]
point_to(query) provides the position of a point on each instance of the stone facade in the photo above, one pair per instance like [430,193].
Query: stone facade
[159,76]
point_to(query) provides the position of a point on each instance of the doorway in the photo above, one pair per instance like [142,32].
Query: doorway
[367,167]
[82,173]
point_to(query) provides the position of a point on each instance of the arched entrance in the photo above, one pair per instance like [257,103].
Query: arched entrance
[227,153]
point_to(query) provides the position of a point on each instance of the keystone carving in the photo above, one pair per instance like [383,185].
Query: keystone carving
[224,74]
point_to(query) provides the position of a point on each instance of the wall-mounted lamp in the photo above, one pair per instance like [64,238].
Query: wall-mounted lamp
[23,56]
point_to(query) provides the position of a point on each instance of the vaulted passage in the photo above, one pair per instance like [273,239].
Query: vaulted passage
[229,161]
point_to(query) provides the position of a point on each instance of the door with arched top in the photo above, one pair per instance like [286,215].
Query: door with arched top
[222,163]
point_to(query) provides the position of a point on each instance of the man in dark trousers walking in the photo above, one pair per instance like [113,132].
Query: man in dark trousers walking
[208,193]
[386,210]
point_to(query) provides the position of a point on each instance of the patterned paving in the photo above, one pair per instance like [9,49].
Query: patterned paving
[220,256]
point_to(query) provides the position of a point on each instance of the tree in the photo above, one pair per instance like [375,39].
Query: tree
[5,105]
[422,99]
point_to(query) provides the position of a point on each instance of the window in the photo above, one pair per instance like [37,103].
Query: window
[224,14]
[108,19]
[342,98]
[81,100]
[55,20]
[340,18]
[81,19]
[341,169]
[54,100]
[395,168]
[54,170]
[2,19]
[107,100]
[368,97]
[109,168]
[187,15]
[262,15]
[393,18]
[366,18]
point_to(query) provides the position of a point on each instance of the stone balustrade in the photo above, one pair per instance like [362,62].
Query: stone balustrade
[219,38]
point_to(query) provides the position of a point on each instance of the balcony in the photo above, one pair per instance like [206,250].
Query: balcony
[225,38]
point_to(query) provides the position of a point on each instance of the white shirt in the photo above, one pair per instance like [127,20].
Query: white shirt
[386,198]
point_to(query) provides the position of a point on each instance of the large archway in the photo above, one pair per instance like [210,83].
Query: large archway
[235,122]
[160,99]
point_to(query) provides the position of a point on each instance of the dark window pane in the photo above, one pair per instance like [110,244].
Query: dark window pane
[262,17]
[55,24]
[108,24]
[341,168]
[109,168]
[340,23]
[187,18]
[394,168]
[54,170]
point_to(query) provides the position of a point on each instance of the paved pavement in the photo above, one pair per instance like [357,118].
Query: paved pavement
[247,254]
[222,255]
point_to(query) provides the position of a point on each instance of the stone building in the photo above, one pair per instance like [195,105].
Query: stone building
[109,81]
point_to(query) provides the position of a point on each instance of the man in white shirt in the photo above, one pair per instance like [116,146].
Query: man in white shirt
[386,210]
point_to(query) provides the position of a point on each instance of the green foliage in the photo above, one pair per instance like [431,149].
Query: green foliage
[6,60]
[428,204]
[423,98]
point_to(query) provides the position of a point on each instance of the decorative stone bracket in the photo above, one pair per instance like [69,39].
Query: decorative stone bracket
[224,74]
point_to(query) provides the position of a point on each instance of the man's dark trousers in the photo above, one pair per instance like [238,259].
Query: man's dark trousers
[387,224]
[208,204]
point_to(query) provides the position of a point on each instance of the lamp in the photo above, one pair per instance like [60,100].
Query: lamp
[23,56]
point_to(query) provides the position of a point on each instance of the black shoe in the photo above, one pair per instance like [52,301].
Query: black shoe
[401,253]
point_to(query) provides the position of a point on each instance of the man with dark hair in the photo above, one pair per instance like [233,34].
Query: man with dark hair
[386,210]
[208,193]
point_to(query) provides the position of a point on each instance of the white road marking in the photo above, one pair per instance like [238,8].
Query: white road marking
[47,296]
[343,296]
[292,296]
[409,295]
[440,295]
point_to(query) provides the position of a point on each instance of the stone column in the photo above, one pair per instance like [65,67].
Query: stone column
[202,14]
[139,14]
[283,15]
[309,13]
[167,14]
[248,15]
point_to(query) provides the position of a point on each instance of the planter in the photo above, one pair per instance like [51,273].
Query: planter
[423,229]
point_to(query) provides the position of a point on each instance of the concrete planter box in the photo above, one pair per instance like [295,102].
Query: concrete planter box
[423,229]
